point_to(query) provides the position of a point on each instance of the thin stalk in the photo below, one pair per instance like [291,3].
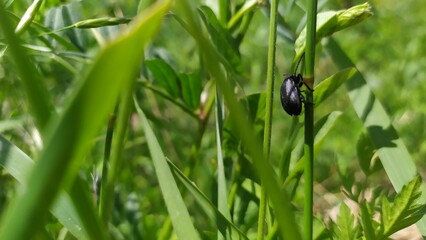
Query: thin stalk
[114,165]
[268,114]
[107,154]
[248,6]
[309,116]
[222,194]
[223,11]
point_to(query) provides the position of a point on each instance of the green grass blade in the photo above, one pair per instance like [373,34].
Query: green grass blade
[113,164]
[392,151]
[18,165]
[87,111]
[37,95]
[178,212]
[212,59]
[222,222]
[222,192]
[84,205]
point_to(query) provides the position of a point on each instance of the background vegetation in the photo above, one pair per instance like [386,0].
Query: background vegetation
[175,127]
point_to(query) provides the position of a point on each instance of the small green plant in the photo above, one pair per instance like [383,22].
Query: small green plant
[396,214]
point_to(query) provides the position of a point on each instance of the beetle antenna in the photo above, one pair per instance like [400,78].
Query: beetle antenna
[298,62]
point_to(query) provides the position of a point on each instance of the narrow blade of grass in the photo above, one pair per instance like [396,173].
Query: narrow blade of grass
[223,223]
[178,212]
[18,165]
[393,153]
[87,110]
[222,192]
[39,103]
[279,199]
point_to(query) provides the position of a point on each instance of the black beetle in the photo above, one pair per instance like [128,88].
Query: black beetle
[291,97]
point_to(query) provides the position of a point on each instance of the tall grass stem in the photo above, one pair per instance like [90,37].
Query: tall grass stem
[268,113]
[309,117]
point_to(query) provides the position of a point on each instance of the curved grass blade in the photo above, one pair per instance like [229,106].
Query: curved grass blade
[212,59]
[393,153]
[87,111]
[222,192]
[178,212]
[217,217]
[18,165]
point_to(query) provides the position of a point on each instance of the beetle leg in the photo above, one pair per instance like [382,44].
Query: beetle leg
[302,99]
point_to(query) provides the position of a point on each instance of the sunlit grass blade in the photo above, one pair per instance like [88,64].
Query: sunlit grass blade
[112,166]
[18,165]
[222,192]
[391,150]
[222,222]
[178,212]
[86,112]
[279,199]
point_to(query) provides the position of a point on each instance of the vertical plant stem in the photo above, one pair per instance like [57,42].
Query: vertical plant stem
[223,11]
[114,165]
[268,114]
[107,154]
[309,116]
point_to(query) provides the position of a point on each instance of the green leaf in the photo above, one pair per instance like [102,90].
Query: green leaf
[403,211]
[165,76]
[346,228]
[86,111]
[367,156]
[221,38]
[178,212]
[392,152]
[333,21]
[256,105]
[367,221]
[327,87]
[28,16]
[191,89]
